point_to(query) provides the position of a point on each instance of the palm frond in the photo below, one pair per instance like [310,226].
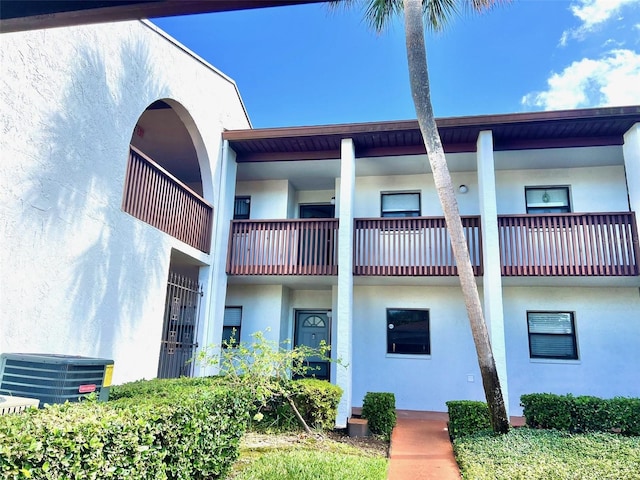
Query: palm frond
[437,13]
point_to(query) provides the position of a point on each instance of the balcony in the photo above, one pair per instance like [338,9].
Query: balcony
[414,246]
[153,195]
[283,247]
[569,244]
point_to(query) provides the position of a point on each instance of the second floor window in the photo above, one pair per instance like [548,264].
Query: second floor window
[242,208]
[405,204]
[547,199]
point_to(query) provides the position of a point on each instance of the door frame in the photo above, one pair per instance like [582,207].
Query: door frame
[327,313]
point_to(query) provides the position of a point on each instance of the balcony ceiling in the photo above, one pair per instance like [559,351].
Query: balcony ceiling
[519,131]
[309,156]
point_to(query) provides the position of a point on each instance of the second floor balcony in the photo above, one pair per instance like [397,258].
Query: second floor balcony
[568,244]
[156,197]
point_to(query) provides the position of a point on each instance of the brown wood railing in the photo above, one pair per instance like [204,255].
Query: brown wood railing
[578,244]
[283,247]
[154,196]
[414,246]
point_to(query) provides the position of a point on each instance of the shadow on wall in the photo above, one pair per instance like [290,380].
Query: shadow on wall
[102,258]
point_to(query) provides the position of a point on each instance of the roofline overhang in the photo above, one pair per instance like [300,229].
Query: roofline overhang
[474,124]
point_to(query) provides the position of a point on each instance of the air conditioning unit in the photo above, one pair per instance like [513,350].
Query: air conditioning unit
[54,378]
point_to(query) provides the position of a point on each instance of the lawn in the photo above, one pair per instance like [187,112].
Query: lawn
[332,456]
[528,454]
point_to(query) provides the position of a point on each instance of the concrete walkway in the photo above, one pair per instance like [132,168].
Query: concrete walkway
[421,449]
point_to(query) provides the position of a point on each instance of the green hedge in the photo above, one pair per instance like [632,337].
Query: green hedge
[316,400]
[467,417]
[165,387]
[379,408]
[193,435]
[582,413]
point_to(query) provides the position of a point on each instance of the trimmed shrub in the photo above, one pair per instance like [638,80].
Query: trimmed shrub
[379,408]
[316,400]
[191,435]
[583,413]
[546,410]
[467,417]
[158,387]
[625,414]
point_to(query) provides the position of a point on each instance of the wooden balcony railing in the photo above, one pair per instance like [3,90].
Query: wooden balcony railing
[283,247]
[569,244]
[154,196]
[414,246]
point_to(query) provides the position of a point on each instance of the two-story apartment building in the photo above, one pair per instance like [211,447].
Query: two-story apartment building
[338,235]
[142,218]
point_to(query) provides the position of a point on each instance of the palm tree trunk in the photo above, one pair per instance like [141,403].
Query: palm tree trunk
[419,78]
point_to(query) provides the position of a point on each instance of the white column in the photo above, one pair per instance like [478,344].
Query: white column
[492,278]
[343,313]
[631,153]
[225,185]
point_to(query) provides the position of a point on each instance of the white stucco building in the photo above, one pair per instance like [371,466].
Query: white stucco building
[130,174]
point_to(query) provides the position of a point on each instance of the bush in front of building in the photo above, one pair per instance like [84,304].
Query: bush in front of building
[467,417]
[582,413]
[187,436]
[379,408]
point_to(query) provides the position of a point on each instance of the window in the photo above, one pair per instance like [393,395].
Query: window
[241,208]
[400,204]
[408,331]
[231,325]
[552,335]
[547,199]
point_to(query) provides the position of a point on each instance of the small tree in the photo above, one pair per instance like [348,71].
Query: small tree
[263,368]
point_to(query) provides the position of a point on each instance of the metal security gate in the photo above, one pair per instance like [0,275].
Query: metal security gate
[180,327]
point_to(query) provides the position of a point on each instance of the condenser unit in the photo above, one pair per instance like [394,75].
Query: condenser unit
[54,378]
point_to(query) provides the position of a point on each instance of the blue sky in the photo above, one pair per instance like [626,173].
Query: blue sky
[310,65]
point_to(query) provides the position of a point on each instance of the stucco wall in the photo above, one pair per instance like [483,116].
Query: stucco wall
[418,382]
[607,323]
[261,309]
[594,189]
[79,275]
[269,198]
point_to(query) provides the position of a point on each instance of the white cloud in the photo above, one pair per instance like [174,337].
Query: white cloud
[611,80]
[591,14]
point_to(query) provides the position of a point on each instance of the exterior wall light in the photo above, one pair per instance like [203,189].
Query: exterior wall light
[463,189]
[333,200]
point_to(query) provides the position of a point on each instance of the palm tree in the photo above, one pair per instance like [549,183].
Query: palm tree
[435,13]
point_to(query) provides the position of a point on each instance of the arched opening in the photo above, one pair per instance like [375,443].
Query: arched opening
[161,135]
[164,185]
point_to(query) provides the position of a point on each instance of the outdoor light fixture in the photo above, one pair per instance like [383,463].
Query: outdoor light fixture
[333,200]
[463,189]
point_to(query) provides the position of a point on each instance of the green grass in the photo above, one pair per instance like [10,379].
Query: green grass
[306,458]
[528,454]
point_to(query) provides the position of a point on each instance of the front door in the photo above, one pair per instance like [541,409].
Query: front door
[312,328]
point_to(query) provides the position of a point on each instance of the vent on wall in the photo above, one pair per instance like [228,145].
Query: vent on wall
[54,378]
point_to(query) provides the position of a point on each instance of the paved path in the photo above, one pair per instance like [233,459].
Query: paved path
[421,449]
